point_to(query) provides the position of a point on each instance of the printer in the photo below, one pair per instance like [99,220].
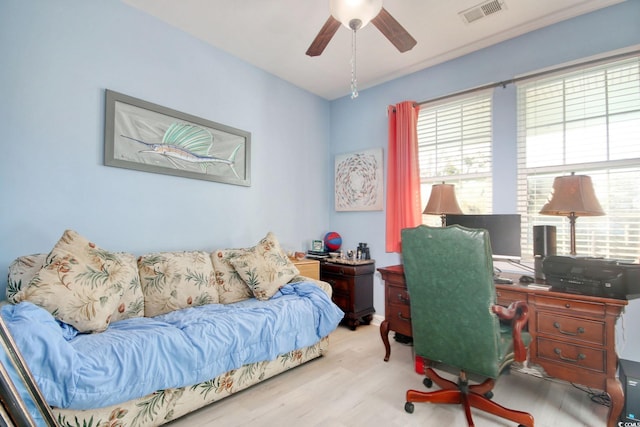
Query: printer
[592,276]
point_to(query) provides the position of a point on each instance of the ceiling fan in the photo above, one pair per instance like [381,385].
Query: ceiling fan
[355,14]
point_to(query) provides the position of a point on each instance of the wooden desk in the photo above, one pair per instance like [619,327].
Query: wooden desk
[572,336]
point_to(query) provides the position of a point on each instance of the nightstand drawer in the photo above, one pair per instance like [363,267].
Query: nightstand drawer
[571,328]
[565,304]
[348,270]
[339,284]
[341,300]
[573,356]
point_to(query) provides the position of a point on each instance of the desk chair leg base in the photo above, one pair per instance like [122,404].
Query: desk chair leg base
[469,400]
[476,396]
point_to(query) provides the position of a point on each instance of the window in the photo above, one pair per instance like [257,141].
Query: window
[454,144]
[585,121]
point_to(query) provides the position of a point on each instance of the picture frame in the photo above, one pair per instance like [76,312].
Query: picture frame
[317,245]
[148,137]
[359,181]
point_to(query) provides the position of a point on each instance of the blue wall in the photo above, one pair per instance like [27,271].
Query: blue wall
[58,57]
[362,123]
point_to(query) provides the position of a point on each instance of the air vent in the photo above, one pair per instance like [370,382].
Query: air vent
[482,10]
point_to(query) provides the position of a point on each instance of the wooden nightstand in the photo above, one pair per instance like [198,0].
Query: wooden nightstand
[352,290]
[308,267]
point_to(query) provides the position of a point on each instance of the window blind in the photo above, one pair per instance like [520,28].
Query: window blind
[585,121]
[454,144]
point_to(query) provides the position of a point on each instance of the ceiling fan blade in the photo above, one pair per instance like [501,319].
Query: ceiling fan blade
[392,30]
[324,36]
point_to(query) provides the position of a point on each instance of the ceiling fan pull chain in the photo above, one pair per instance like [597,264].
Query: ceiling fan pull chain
[354,79]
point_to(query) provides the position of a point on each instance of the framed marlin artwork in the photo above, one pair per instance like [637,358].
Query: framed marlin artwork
[148,137]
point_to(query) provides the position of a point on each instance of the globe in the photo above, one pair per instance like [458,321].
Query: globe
[332,241]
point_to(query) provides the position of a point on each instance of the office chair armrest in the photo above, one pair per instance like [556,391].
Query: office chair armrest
[518,312]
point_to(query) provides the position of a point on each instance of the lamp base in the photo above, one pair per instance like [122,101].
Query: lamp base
[572,230]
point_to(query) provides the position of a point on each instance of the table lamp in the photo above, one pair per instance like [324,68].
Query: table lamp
[572,196]
[442,201]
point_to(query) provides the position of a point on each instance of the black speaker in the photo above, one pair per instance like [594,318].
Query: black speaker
[544,240]
[544,244]
[630,379]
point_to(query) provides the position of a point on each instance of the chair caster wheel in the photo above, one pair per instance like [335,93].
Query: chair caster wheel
[427,382]
[489,395]
[408,407]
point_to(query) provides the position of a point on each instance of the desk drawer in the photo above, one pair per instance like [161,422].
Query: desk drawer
[572,356]
[571,305]
[397,295]
[399,318]
[506,297]
[572,328]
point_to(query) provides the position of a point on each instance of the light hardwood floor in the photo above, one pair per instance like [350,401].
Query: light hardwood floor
[352,386]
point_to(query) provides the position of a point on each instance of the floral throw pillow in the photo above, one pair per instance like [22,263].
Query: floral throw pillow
[265,268]
[231,287]
[80,284]
[23,269]
[176,280]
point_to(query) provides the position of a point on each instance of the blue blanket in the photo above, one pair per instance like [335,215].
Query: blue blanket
[135,357]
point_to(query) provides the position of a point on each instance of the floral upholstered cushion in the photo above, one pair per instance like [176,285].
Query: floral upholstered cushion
[175,280]
[23,269]
[231,287]
[79,284]
[265,268]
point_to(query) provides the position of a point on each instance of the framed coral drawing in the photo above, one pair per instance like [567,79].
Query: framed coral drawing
[148,137]
[358,181]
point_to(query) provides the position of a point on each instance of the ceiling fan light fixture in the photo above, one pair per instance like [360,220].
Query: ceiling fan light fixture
[349,12]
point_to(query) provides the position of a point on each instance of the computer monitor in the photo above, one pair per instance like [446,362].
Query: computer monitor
[504,232]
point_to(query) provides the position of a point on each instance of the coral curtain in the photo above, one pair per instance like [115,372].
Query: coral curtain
[403,175]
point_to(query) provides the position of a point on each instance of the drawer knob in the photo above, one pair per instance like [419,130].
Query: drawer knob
[579,331]
[401,298]
[401,317]
[568,359]
[567,305]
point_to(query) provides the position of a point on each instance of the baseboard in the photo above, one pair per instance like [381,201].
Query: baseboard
[377,320]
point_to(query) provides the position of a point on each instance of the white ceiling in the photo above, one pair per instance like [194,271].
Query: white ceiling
[274,34]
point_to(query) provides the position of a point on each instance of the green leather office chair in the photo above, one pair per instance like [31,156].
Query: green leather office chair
[449,275]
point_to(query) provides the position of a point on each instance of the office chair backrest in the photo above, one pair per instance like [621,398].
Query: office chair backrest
[449,275]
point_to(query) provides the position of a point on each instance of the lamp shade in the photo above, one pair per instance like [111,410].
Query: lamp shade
[572,195]
[346,11]
[442,200]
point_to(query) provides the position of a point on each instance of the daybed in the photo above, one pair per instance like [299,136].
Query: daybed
[112,340]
